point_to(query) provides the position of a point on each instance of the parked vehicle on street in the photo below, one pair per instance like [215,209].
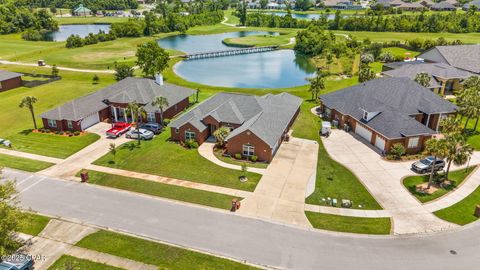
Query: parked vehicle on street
[118,129]
[425,165]
[141,133]
[153,127]
[17,261]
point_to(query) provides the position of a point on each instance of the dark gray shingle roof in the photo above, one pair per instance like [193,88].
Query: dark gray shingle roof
[395,99]
[466,57]
[141,90]
[266,116]
[443,5]
[7,75]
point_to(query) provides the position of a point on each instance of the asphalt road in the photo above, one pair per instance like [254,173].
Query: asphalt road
[241,238]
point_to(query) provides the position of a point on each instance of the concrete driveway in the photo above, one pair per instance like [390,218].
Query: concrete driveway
[383,179]
[280,194]
[74,163]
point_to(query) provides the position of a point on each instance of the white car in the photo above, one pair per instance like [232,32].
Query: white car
[141,133]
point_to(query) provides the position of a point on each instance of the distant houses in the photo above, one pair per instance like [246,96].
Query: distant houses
[82,11]
[10,80]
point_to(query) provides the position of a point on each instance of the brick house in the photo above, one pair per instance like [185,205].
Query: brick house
[10,80]
[387,111]
[444,79]
[111,102]
[258,124]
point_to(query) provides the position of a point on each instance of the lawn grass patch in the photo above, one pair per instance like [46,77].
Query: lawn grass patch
[162,157]
[349,224]
[33,224]
[24,164]
[457,177]
[178,193]
[79,264]
[51,145]
[258,40]
[333,179]
[90,20]
[230,160]
[462,212]
[149,252]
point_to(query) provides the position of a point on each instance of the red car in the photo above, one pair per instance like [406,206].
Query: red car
[118,129]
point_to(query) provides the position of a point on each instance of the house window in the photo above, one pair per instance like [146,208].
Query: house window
[413,142]
[177,131]
[151,117]
[189,135]
[69,124]
[327,112]
[52,123]
[248,150]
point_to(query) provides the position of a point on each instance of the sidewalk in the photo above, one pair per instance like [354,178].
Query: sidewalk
[206,151]
[30,156]
[5,62]
[347,212]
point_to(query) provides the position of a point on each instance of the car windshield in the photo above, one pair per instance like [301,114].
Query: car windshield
[426,161]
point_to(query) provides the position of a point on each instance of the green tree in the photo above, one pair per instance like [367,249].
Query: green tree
[366,58]
[263,4]
[161,103]
[438,148]
[11,216]
[95,79]
[197,92]
[365,74]
[123,71]
[397,150]
[55,71]
[317,84]
[137,111]
[241,12]
[423,79]
[113,150]
[28,102]
[151,58]
[221,134]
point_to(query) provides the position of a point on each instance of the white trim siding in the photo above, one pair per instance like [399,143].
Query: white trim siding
[248,150]
[52,123]
[189,135]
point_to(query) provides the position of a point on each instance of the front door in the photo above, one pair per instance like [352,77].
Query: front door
[212,129]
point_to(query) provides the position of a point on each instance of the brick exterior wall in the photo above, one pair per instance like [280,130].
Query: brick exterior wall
[262,150]
[62,125]
[11,83]
[179,134]
[175,109]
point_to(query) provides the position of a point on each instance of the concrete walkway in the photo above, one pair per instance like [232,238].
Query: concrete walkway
[170,181]
[383,180]
[206,151]
[5,62]
[347,212]
[59,237]
[30,156]
[70,166]
[280,194]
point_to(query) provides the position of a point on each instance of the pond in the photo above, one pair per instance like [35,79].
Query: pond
[205,43]
[274,69]
[82,30]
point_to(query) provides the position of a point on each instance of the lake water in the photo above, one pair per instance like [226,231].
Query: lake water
[82,30]
[205,43]
[274,69]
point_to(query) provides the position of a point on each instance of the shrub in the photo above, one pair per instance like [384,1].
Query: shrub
[238,156]
[61,133]
[254,158]
[397,150]
[76,133]
[166,122]
[192,144]
[46,130]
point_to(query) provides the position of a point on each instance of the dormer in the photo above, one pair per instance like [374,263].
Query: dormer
[367,116]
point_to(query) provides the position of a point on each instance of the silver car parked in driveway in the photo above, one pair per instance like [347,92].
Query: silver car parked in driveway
[142,133]
[425,165]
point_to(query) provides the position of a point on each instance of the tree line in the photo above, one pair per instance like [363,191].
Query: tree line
[71,4]
[452,22]
[15,19]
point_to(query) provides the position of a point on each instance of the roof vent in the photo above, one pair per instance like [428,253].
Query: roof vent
[159,79]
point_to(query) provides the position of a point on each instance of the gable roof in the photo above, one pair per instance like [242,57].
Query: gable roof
[434,70]
[472,3]
[141,90]
[443,5]
[394,99]
[465,57]
[7,75]
[266,116]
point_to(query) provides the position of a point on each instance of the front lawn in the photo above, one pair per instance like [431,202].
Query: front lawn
[178,193]
[456,177]
[333,179]
[24,164]
[149,252]
[69,262]
[162,157]
[231,160]
[349,224]
[462,212]
[473,135]
[51,145]
[33,224]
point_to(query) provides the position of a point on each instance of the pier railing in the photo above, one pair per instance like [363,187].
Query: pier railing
[230,52]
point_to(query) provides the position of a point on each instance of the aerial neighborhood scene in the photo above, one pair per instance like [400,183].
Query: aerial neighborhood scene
[239,134]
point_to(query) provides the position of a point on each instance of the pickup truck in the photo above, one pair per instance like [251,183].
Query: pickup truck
[17,262]
[118,129]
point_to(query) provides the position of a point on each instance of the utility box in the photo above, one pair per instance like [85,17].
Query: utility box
[84,176]
[477,211]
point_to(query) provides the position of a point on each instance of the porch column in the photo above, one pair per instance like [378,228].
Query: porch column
[428,120]
[438,121]
[115,114]
[125,115]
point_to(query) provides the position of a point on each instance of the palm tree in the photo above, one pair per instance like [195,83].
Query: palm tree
[317,84]
[132,109]
[423,79]
[28,102]
[458,151]
[366,58]
[438,149]
[196,94]
[160,103]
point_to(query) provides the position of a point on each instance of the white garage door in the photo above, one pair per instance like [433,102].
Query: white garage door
[90,120]
[363,132]
[380,143]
